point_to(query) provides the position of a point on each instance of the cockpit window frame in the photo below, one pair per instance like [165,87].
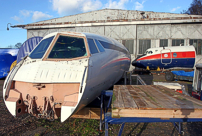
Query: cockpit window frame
[92,46]
[38,46]
[146,52]
[66,59]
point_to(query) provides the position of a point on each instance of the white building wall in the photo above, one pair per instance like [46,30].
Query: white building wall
[136,32]
[44,32]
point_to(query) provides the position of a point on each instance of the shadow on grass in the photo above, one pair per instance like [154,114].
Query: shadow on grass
[194,128]
[141,130]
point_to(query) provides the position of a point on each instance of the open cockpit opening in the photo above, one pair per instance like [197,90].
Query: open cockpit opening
[60,47]
[68,47]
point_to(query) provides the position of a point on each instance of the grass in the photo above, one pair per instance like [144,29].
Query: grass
[84,127]
[71,126]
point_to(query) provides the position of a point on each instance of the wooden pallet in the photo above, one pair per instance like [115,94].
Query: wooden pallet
[153,101]
[88,113]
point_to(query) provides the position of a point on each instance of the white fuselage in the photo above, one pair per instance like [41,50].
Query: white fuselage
[167,58]
[46,84]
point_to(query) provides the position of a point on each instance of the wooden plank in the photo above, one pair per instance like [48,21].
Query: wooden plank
[118,102]
[150,102]
[88,113]
[150,98]
[142,99]
[164,100]
[189,101]
[156,102]
[164,114]
[127,99]
[165,90]
[138,100]
[115,97]
[173,100]
[130,96]
[182,95]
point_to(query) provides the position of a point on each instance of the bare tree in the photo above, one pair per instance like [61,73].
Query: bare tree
[10,46]
[195,8]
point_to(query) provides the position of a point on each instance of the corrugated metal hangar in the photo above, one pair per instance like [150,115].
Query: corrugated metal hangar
[137,30]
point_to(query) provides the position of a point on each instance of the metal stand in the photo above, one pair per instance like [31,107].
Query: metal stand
[104,109]
[122,120]
[179,128]
[125,77]
[139,80]
[121,129]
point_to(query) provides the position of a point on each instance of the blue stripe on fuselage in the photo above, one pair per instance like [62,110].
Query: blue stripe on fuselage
[154,64]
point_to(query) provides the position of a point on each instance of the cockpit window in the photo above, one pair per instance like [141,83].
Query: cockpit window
[145,52]
[68,47]
[92,46]
[148,52]
[99,46]
[39,51]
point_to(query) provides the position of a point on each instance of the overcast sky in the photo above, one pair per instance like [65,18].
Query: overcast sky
[28,11]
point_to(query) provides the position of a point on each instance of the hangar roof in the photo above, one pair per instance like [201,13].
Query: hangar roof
[114,17]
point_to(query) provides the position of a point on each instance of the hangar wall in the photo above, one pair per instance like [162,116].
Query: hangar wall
[135,33]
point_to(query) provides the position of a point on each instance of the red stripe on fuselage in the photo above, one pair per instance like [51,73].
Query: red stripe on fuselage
[190,54]
[114,61]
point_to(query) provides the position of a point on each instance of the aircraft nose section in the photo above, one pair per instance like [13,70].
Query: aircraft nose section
[134,63]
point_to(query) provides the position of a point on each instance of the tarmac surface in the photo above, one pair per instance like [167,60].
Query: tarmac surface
[28,125]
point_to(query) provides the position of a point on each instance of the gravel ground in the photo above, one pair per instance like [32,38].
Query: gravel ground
[27,125]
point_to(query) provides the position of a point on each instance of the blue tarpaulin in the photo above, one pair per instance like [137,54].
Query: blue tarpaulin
[27,47]
[7,57]
[183,73]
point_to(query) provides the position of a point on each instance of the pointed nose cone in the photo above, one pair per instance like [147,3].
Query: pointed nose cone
[134,63]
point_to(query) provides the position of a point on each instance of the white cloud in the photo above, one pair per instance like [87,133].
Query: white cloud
[16,18]
[139,6]
[116,5]
[25,13]
[22,15]
[37,15]
[91,5]
[174,9]
[62,6]
[67,7]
